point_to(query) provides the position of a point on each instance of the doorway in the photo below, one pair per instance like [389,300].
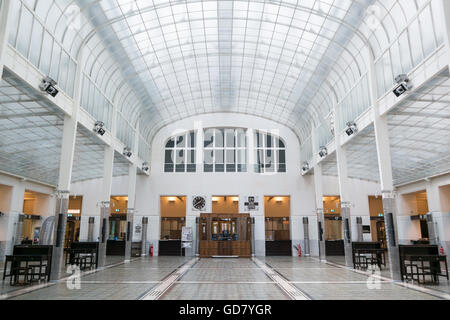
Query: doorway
[377,220]
[173,219]
[334,239]
[277,212]
[415,205]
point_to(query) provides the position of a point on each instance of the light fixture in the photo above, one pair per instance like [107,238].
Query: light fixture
[235,199]
[305,167]
[127,152]
[351,128]
[215,199]
[403,86]
[48,85]
[172,199]
[99,128]
[145,167]
[323,152]
[279,199]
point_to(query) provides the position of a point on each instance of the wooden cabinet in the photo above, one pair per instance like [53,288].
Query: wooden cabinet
[215,242]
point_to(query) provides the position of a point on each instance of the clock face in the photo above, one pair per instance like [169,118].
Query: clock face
[199,203]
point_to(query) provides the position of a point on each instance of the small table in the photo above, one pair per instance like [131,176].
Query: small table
[29,270]
[423,265]
[82,257]
[377,256]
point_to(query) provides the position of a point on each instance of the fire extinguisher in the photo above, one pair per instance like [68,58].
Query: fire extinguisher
[441,251]
[151,251]
[299,250]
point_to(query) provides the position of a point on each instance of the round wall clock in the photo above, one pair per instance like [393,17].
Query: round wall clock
[199,203]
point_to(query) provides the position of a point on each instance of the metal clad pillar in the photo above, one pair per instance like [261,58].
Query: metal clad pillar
[318,186]
[306,236]
[19,230]
[359,229]
[91,229]
[341,156]
[144,236]
[386,180]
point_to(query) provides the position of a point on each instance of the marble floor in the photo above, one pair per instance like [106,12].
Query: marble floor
[264,278]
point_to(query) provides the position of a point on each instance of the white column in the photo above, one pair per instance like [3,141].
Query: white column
[341,162]
[105,202]
[199,146]
[132,173]
[318,187]
[446,16]
[386,178]
[65,174]
[4,30]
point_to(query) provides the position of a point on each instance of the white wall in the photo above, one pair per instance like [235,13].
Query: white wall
[12,203]
[293,184]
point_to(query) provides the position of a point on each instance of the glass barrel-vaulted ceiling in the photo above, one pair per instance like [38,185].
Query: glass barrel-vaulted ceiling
[266,58]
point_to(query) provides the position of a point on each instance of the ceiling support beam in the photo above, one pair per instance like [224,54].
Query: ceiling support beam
[318,188]
[446,15]
[341,161]
[386,177]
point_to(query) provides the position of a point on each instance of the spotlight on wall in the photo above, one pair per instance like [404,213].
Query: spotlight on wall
[305,167]
[323,152]
[235,199]
[127,152]
[48,85]
[403,85]
[145,167]
[99,128]
[351,128]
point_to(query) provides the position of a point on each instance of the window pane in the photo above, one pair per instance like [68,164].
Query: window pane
[208,160]
[209,138]
[241,139]
[220,138]
[181,141]
[169,167]
[220,160]
[269,143]
[230,137]
[269,161]
[170,143]
[191,140]
[180,166]
[231,165]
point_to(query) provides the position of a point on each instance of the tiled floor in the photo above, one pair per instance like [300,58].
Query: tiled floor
[228,279]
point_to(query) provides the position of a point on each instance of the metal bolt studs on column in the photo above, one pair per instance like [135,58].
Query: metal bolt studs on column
[62,206]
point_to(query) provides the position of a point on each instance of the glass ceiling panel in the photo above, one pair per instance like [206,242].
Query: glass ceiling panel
[266,58]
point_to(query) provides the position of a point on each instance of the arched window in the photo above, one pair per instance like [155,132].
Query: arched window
[225,150]
[180,153]
[270,153]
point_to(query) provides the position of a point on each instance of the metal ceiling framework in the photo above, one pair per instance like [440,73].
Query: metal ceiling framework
[419,131]
[31,132]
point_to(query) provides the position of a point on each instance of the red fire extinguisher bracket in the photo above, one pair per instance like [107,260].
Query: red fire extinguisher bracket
[299,250]
[151,251]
